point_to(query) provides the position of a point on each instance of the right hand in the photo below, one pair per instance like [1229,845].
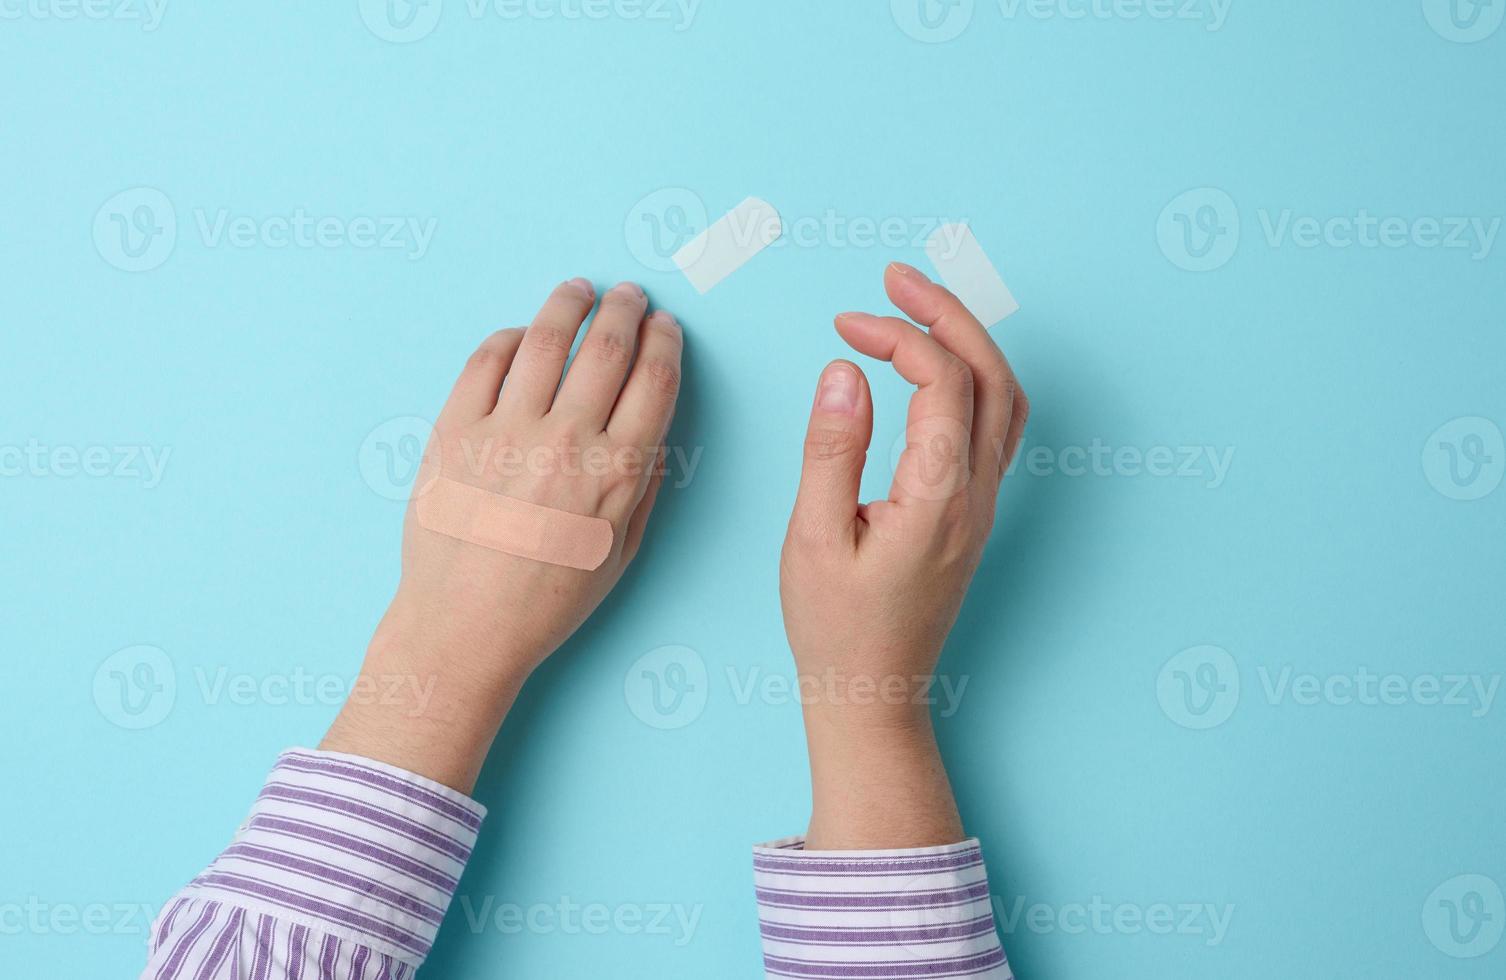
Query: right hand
[870,591]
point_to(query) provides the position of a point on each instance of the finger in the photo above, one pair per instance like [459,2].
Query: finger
[934,306]
[638,522]
[1018,419]
[836,446]
[595,376]
[546,345]
[938,449]
[475,391]
[643,411]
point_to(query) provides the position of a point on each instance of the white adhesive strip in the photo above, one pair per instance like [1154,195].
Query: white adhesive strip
[729,243]
[965,269]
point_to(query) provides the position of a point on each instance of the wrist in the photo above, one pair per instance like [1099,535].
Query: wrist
[414,636]
[426,703]
[877,782]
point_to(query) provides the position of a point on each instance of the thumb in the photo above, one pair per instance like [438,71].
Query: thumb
[836,446]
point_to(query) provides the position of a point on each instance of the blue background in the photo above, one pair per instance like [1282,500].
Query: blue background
[530,141]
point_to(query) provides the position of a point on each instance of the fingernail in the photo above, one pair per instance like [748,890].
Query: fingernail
[667,317]
[839,390]
[906,270]
[583,286]
[631,287]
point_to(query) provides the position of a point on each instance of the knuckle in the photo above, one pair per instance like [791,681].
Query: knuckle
[825,444]
[663,376]
[998,377]
[548,339]
[957,373]
[803,538]
[610,349]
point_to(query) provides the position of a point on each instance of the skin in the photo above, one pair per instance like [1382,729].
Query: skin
[470,623]
[869,591]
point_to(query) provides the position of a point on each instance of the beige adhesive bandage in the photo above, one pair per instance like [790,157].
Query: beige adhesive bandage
[507,524]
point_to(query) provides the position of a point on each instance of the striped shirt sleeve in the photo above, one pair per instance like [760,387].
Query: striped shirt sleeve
[342,871]
[876,915]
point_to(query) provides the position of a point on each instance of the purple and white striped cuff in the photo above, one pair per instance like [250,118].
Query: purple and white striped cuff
[876,915]
[364,854]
